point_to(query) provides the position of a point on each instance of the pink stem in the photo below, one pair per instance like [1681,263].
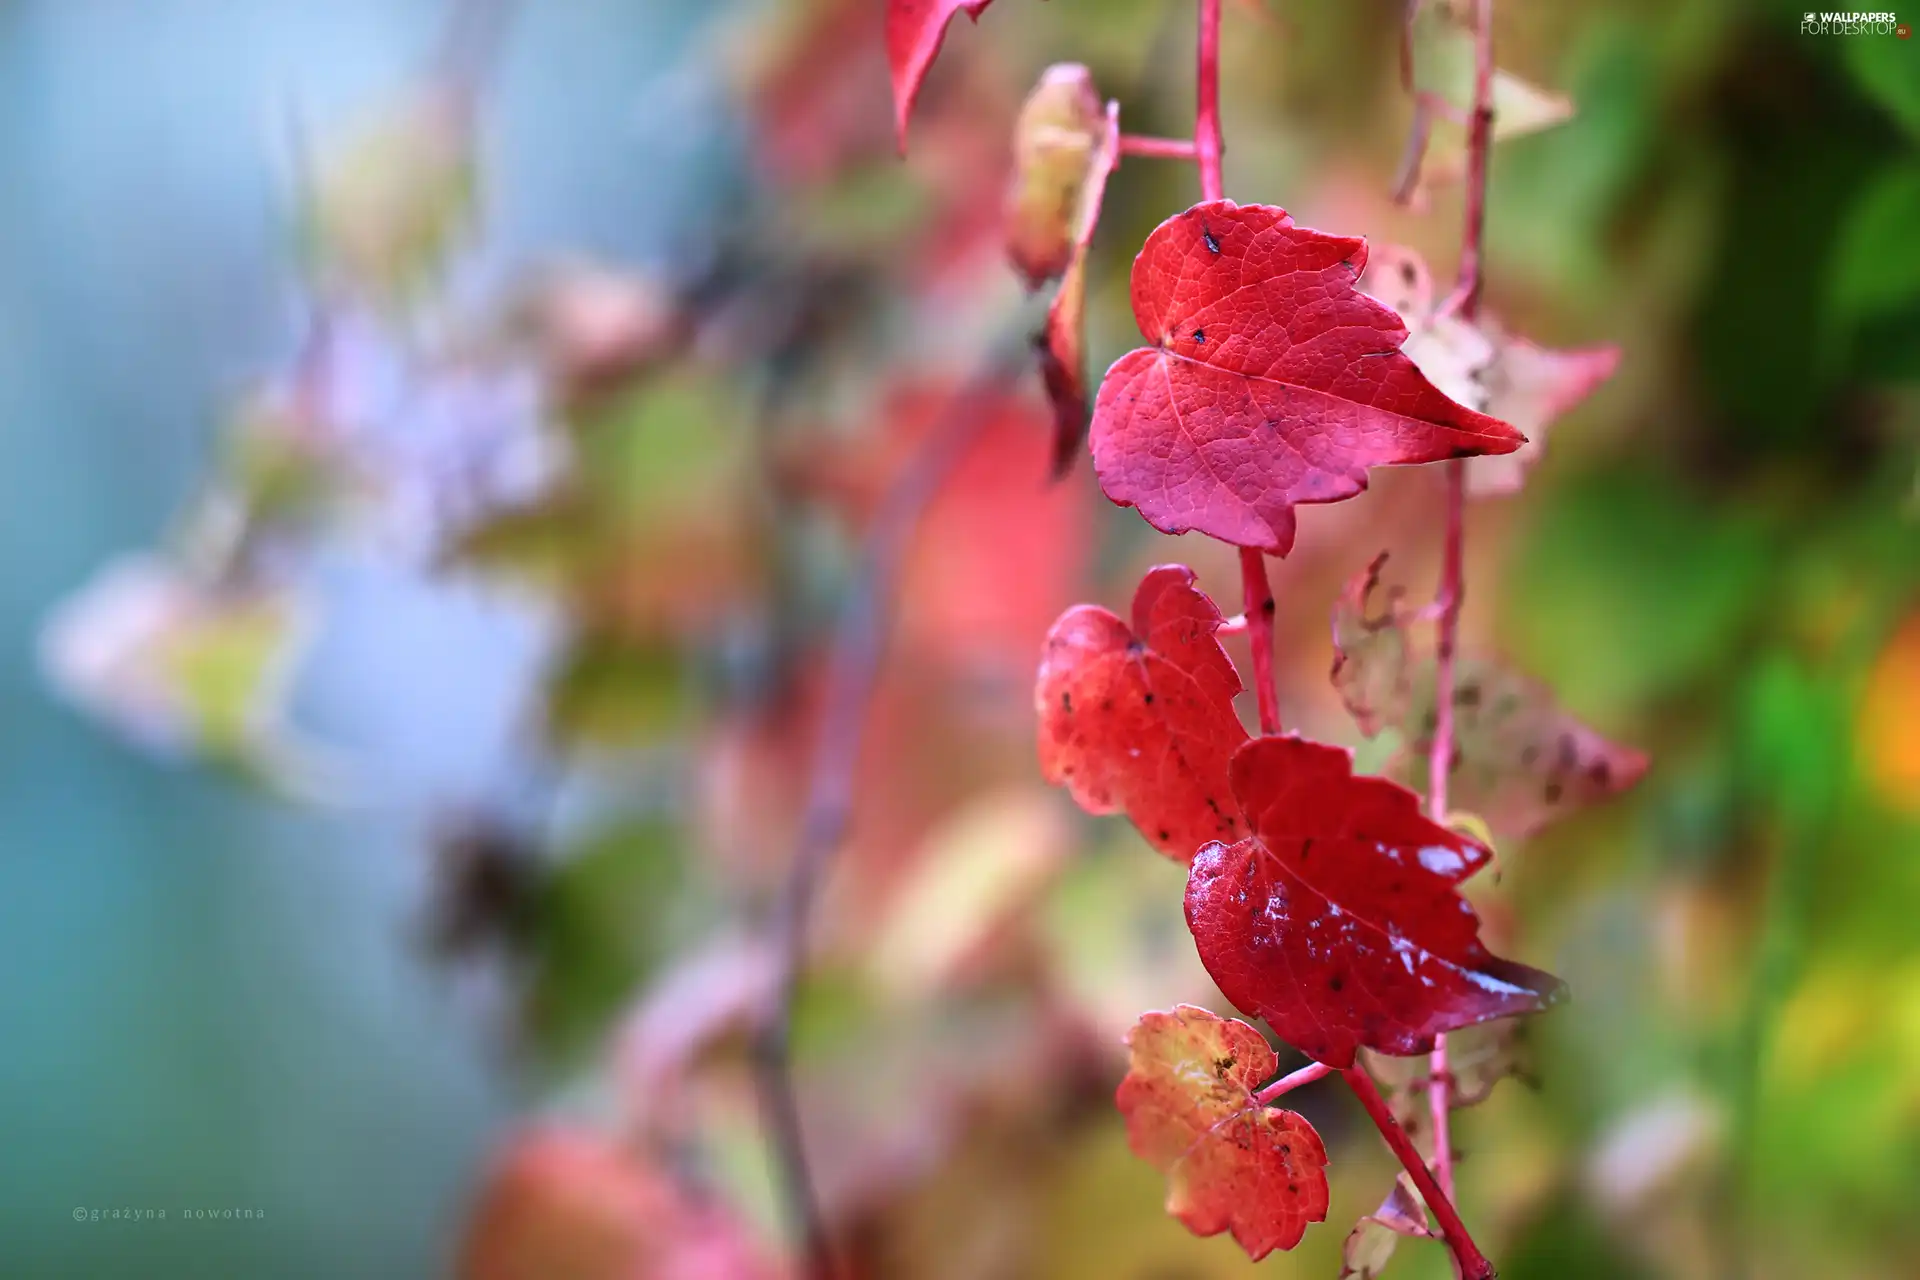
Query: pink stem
[1259,615]
[1465,302]
[1288,1083]
[1206,120]
[1472,1263]
[1134,144]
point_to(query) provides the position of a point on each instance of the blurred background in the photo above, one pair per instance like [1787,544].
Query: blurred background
[438,437]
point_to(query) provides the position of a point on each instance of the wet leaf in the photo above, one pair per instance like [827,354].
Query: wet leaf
[1339,921]
[1140,720]
[1231,1163]
[1270,381]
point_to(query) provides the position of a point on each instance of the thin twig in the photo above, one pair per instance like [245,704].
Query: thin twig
[1288,1083]
[851,674]
[1465,302]
[1134,144]
[1467,1257]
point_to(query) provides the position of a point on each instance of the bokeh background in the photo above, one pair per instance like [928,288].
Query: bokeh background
[492,398]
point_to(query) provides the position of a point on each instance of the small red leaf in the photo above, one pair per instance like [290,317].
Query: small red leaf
[1231,1163]
[1141,719]
[915,29]
[1270,381]
[1338,921]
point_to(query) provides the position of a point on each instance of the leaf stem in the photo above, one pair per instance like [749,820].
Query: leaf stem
[1259,615]
[1134,144]
[852,672]
[1465,301]
[1288,1083]
[1466,1255]
[1207,145]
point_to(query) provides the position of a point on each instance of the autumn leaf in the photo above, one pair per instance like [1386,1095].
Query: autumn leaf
[1140,719]
[1371,1243]
[1339,920]
[1270,381]
[1232,1164]
[1519,761]
[1486,368]
[915,29]
[1058,142]
[1062,345]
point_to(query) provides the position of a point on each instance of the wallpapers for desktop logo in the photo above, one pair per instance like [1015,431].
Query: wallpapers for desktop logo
[1855,23]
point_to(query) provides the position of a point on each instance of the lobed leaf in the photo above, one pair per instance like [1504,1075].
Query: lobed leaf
[1270,381]
[1140,719]
[1339,920]
[1232,1164]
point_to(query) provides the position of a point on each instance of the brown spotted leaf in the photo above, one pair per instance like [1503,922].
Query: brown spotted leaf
[1519,761]
[1140,719]
[1232,1164]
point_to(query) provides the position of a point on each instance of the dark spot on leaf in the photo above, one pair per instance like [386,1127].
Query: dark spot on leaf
[1066,702]
[1406,271]
[1552,793]
[1206,235]
[1468,695]
[1600,774]
[1200,335]
[1337,982]
[1165,834]
[1148,699]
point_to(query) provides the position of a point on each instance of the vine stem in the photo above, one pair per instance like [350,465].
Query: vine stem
[1134,144]
[1207,147]
[852,672]
[1288,1083]
[1465,302]
[1472,1264]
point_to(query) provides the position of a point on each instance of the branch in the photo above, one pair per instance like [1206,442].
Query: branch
[1288,1083]
[1464,301]
[853,669]
[1472,1263]
[1134,144]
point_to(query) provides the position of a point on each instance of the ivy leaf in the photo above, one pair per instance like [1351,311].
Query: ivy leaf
[1140,719]
[1062,345]
[1232,1164]
[915,29]
[1486,368]
[1270,381]
[1371,1243]
[1339,921]
[1519,761]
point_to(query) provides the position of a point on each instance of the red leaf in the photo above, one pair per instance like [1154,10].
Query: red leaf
[915,29]
[1231,1163]
[1142,719]
[1338,921]
[1270,381]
